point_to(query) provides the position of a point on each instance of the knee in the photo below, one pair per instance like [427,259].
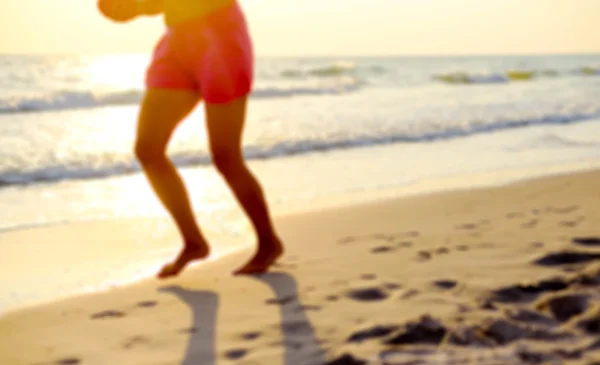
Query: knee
[228,163]
[147,153]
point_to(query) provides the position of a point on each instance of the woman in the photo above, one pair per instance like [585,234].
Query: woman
[206,53]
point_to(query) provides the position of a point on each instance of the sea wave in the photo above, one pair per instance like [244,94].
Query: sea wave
[465,77]
[65,100]
[106,166]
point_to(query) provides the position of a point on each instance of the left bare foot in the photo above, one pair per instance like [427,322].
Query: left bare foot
[188,254]
[266,256]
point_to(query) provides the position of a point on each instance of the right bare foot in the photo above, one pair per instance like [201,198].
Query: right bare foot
[189,253]
[268,253]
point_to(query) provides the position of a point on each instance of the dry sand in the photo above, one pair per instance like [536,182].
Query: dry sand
[505,275]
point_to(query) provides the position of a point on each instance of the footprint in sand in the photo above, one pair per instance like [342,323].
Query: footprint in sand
[442,250]
[467,226]
[566,258]
[564,307]
[424,255]
[527,293]
[69,361]
[332,298]
[371,333]
[382,249]
[566,210]
[587,241]
[147,304]
[346,359]
[530,224]
[392,286]
[368,277]
[236,354]
[445,284]
[110,313]
[367,294]
[426,330]
[250,336]
[590,324]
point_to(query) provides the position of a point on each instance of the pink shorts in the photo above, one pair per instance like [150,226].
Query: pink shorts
[211,55]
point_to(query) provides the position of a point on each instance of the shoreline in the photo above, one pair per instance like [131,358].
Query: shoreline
[429,188]
[453,261]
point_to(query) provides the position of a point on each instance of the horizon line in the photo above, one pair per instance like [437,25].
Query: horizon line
[350,55]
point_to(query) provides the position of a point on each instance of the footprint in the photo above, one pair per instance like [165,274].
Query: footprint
[590,325]
[569,224]
[462,248]
[426,331]
[587,241]
[111,313]
[503,331]
[346,359]
[467,226]
[147,304]
[566,258]
[442,250]
[405,244]
[445,284]
[566,210]
[368,276]
[367,294]
[565,307]
[250,336]
[68,361]
[236,354]
[392,286]
[424,255]
[332,298]
[527,293]
[382,249]
[370,333]
[530,224]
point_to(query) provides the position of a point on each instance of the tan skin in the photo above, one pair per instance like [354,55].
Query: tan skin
[161,112]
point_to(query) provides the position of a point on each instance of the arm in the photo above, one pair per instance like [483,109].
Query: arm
[150,7]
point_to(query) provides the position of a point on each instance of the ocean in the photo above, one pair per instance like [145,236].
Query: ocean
[332,128]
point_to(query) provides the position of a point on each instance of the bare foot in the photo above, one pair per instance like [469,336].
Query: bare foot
[266,256]
[268,253]
[189,253]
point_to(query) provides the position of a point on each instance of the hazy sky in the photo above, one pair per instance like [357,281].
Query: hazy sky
[327,27]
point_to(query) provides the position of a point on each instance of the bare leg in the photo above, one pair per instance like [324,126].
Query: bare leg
[225,126]
[161,112]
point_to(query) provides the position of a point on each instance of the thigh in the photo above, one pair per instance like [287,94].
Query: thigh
[225,125]
[160,113]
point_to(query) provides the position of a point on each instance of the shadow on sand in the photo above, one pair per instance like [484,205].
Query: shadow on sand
[299,338]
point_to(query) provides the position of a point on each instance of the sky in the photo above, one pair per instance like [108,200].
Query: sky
[327,27]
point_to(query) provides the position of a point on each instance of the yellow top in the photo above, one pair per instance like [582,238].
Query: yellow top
[180,11]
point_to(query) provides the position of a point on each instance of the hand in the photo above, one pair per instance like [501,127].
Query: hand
[150,7]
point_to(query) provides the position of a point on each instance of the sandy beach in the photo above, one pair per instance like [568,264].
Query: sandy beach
[497,275]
